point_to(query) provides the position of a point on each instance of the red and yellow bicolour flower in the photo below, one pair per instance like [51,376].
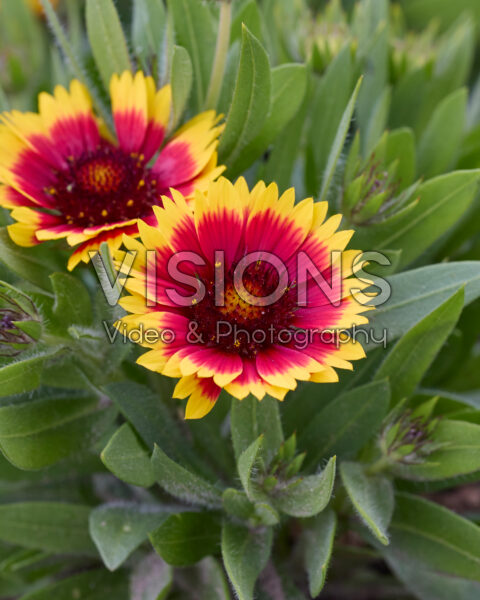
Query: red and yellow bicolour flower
[65,176]
[233,334]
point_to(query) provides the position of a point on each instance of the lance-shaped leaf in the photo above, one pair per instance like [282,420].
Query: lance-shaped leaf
[245,554]
[52,526]
[345,425]
[410,358]
[107,39]
[318,538]
[181,78]
[246,463]
[372,497]
[289,84]
[127,458]
[195,31]
[148,25]
[34,265]
[94,585]
[441,140]
[39,433]
[182,483]
[437,537]
[118,530]
[338,143]
[251,418]
[331,97]
[251,100]
[428,583]
[185,538]
[415,294]
[307,496]
[72,301]
[24,374]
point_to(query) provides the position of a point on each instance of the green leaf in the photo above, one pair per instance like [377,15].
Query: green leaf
[237,504]
[128,459]
[245,555]
[250,419]
[183,484]
[151,579]
[185,538]
[372,497]
[251,100]
[401,148]
[91,585]
[246,463]
[417,293]
[181,79]
[410,358]
[280,164]
[319,535]
[289,84]
[195,31]
[39,433]
[118,530]
[426,583]
[435,536]
[148,23]
[151,419]
[378,120]
[442,201]
[307,496]
[24,374]
[34,265]
[373,31]
[345,425]
[51,526]
[458,454]
[72,301]
[107,39]
[441,139]
[338,143]
[332,95]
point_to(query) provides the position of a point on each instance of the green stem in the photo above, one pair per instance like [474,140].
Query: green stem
[221,51]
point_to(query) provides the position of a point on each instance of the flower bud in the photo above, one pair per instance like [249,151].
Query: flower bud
[406,438]
[20,325]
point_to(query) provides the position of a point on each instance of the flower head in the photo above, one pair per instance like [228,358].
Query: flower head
[64,176]
[228,283]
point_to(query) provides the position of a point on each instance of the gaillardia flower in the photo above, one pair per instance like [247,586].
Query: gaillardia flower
[221,293]
[65,176]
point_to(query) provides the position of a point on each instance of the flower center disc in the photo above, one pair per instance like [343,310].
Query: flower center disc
[239,310]
[239,326]
[104,186]
[101,176]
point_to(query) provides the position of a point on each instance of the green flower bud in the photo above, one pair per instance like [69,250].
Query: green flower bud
[20,325]
[407,436]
